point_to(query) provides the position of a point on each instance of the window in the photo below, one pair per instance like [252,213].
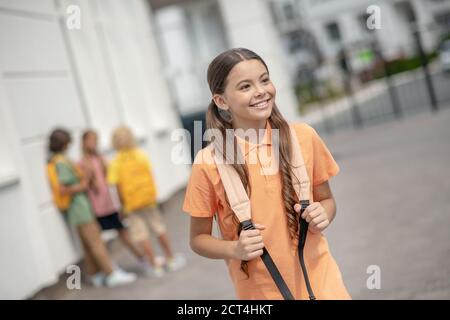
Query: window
[443,19]
[406,10]
[289,11]
[333,31]
[300,40]
[295,42]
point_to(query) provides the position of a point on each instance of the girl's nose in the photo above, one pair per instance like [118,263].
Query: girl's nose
[259,91]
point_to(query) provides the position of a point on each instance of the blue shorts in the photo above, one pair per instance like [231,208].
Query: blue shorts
[110,222]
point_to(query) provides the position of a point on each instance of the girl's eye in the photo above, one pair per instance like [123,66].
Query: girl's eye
[245,86]
[265,80]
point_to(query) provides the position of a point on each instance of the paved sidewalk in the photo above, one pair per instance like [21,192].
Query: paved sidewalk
[393,197]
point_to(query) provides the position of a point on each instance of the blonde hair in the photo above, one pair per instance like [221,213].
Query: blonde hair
[123,138]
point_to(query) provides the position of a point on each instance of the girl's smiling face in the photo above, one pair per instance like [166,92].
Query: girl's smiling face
[249,95]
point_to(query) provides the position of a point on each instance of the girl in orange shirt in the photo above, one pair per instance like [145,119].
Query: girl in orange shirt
[244,98]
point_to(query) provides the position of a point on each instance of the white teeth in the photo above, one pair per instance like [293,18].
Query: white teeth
[260,105]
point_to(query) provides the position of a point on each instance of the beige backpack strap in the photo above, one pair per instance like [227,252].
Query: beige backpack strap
[234,189]
[240,204]
[300,178]
[237,195]
[302,187]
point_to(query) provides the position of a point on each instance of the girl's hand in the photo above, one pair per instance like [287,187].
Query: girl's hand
[250,244]
[316,216]
[64,189]
[84,184]
[72,189]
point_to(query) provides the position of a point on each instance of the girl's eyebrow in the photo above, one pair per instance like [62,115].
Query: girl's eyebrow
[247,80]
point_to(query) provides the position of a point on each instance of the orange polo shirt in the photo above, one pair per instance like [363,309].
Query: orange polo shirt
[205,197]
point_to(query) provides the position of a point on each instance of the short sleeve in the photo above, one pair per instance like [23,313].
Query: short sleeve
[113,173]
[200,199]
[324,165]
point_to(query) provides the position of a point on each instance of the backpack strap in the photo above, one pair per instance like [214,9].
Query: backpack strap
[240,204]
[237,196]
[61,201]
[302,187]
[300,178]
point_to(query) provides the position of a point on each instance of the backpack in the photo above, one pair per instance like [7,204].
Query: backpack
[240,204]
[62,201]
[136,184]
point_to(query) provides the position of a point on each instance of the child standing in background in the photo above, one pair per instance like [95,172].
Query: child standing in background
[94,167]
[68,187]
[131,173]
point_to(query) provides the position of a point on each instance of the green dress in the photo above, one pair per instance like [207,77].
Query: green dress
[80,210]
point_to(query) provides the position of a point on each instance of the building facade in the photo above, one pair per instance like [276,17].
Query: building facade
[135,62]
[319,29]
[106,73]
[201,30]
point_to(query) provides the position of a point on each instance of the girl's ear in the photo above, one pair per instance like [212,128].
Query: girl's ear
[220,102]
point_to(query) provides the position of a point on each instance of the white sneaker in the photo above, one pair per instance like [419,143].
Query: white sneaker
[97,280]
[119,277]
[158,272]
[176,263]
[152,271]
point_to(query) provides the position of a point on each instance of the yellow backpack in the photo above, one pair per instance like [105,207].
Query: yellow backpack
[62,201]
[136,184]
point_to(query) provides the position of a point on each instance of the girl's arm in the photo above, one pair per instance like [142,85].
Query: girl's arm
[248,247]
[322,193]
[75,188]
[88,172]
[206,245]
[322,211]
[115,189]
[104,165]
[68,185]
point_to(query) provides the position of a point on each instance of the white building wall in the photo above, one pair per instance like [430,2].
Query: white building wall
[203,29]
[106,73]
[395,34]
[175,38]
[195,30]
[425,20]
[249,24]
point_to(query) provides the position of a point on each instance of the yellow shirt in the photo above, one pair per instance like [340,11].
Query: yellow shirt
[131,171]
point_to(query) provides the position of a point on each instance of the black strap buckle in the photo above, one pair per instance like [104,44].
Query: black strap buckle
[271,267]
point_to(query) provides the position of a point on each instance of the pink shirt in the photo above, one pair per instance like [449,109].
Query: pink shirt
[98,192]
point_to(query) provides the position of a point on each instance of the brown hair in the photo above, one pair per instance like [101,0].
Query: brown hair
[218,71]
[84,137]
[58,140]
